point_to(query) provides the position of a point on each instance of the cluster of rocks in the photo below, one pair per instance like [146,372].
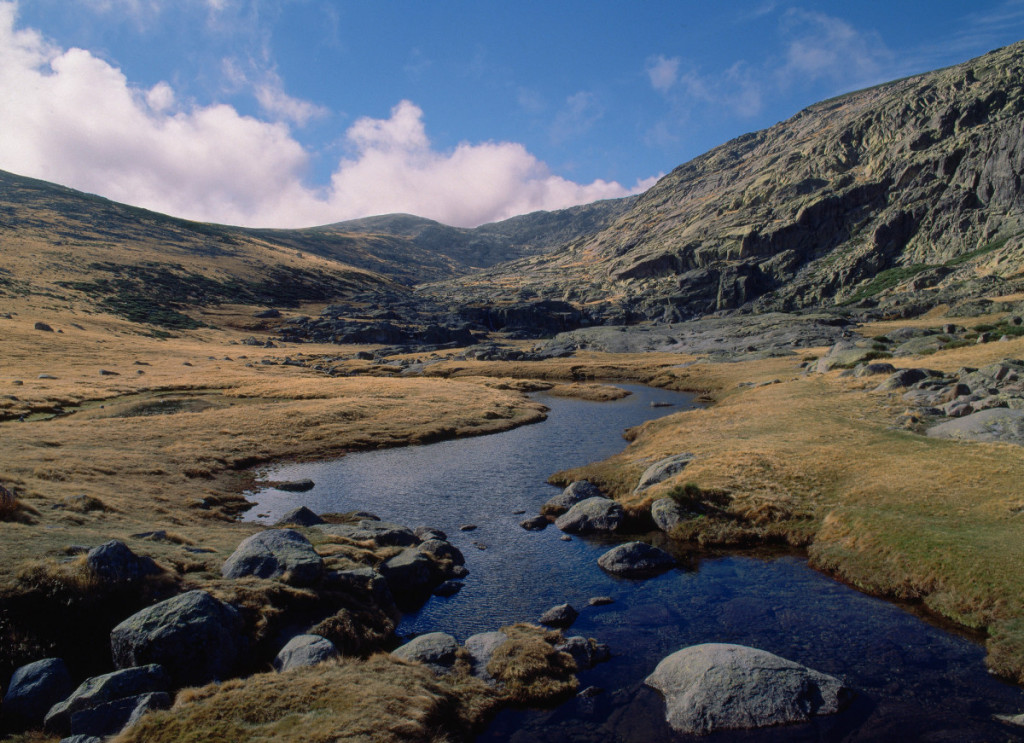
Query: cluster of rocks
[985,404]
[439,651]
[194,637]
[852,352]
[582,509]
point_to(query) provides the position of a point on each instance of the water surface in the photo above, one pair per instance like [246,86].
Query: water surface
[915,681]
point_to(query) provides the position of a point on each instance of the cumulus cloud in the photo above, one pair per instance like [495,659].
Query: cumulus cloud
[71,117]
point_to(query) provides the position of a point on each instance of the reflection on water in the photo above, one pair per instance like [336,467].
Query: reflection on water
[916,682]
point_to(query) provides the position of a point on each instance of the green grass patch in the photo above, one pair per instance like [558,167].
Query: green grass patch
[887,279]
[990,247]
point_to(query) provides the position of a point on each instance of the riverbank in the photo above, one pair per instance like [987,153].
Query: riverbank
[818,461]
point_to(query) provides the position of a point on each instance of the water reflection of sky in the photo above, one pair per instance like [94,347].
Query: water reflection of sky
[916,681]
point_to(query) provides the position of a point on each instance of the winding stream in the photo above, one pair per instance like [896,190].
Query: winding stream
[915,681]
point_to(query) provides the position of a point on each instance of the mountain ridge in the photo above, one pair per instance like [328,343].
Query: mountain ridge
[913,175]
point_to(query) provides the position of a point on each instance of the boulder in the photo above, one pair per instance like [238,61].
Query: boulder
[481,649]
[99,690]
[428,532]
[33,690]
[195,637]
[662,470]
[300,516]
[590,516]
[586,653]
[635,560]
[409,575]
[560,616]
[436,650]
[727,687]
[112,717]
[901,379]
[448,588]
[844,354]
[576,492]
[873,369]
[43,326]
[535,523]
[993,424]
[441,549]
[295,486]
[668,514]
[275,553]
[304,650]
[114,562]
[379,532]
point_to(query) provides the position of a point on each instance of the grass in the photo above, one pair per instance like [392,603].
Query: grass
[379,698]
[886,279]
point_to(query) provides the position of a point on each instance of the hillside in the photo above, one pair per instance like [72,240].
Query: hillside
[865,200]
[152,268]
[389,242]
[91,253]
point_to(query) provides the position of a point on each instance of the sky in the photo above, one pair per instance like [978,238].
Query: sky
[293,113]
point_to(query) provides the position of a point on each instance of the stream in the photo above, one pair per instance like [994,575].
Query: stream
[914,679]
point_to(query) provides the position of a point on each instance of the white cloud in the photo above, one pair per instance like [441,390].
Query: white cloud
[663,72]
[70,117]
[394,168]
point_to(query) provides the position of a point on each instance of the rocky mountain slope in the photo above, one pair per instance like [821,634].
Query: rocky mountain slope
[898,197]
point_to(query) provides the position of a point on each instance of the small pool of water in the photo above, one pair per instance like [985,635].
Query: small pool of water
[915,681]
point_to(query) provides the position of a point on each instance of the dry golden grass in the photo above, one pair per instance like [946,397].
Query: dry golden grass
[529,669]
[378,699]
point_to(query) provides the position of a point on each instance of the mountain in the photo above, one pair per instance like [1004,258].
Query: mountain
[148,267]
[897,198]
[392,239]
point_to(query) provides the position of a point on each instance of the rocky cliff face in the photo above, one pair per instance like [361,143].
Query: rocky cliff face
[898,197]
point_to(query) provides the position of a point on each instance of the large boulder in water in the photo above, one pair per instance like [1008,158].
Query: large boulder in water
[195,637]
[636,560]
[33,690]
[410,575]
[591,516]
[576,492]
[727,687]
[275,553]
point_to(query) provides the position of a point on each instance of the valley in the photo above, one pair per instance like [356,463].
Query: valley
[840,292]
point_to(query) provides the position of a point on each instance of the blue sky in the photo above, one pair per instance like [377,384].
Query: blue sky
[300,112]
